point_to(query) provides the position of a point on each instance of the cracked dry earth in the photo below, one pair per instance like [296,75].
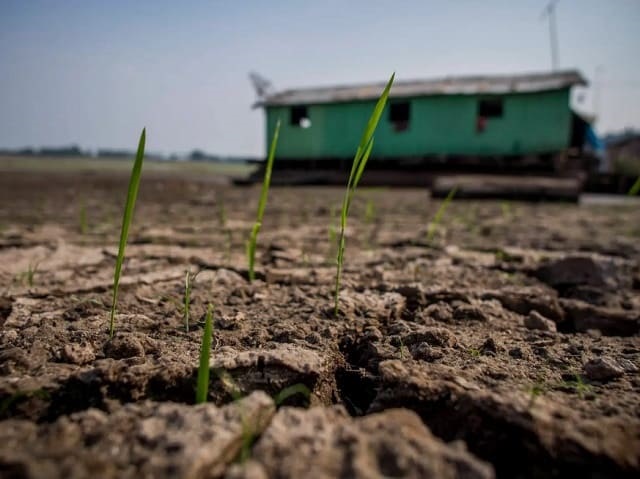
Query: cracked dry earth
[508,346]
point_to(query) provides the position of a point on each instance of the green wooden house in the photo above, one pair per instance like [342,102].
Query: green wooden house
[501,119]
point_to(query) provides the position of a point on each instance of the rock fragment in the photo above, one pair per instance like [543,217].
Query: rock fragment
[440,337]
[609,321]
[78,353]
[603,369]
[535,320]
[470,312]
[523,300]
[440,311]
[590,270]
[124,346]
[425,352]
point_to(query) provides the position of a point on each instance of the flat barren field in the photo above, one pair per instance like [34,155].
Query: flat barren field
[501,341]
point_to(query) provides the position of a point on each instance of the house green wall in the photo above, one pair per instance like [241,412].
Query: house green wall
[531,123]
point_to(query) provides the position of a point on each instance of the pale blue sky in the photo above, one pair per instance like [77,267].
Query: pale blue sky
[94,72]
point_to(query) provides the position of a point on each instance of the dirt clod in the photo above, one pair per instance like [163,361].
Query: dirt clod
[124,346]
[535,320]
[603,369]
[78,353]
[139,440]
[394,443]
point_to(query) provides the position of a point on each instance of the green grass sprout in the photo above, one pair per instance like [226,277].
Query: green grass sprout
[537,389]
[403,348]
[433,225]
[189,279]
[357,168]
[132,193]
[369,212]
[228,242]
[635,188]
[84,225]
[202,389]
[333,235]
[287,392]
[506,208]
[579,386]
[30,274]
[222,213]
[253,239]
[474,353]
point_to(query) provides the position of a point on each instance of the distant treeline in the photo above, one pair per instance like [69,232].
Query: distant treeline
[47,151]
[76,151]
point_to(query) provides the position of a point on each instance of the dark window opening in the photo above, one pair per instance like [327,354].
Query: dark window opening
[399,113]
[490,108]
[300,117]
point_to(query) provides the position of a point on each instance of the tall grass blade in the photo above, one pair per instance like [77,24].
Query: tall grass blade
[431,229]
[132,194]
[202,389]
[357,169]
[635,188]
[253,239]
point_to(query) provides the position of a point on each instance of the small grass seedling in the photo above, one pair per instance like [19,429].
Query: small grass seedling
[437,219]
[333,239]
[30,274]
[290,391]
[506,208]
[84,225]
[474,353]
[357,168]
[132,194]
[369,212]
[402,348]
[228,242]
[333,234]
[253,239]
[189,279]
[635,188]
[222,213]
[202,387]
[537,389]
[306,260]
[579,386]
[187,300]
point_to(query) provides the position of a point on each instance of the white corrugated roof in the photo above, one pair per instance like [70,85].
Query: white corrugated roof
[464,85]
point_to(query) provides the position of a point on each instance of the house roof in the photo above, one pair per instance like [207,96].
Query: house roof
[463,85]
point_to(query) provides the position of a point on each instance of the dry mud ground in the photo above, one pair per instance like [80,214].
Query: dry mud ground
[508,346]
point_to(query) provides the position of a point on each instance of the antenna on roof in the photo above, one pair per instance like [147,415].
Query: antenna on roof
[550,13]
[261,85]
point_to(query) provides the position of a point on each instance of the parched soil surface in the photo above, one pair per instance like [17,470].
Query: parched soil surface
[503,342]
